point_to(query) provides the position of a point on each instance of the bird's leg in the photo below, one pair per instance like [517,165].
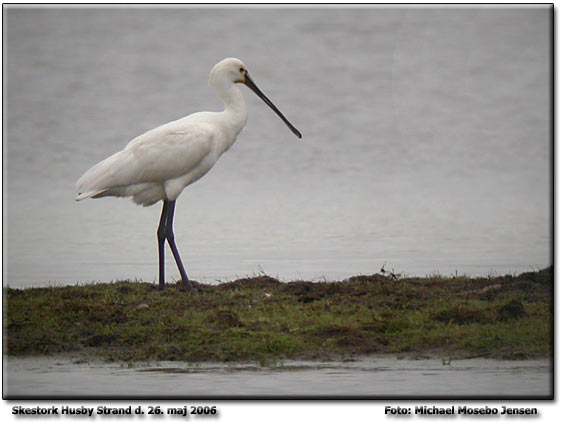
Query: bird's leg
[171,240]
[161,242]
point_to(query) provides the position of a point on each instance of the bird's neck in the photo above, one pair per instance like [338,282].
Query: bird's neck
[234,107]
[232,98]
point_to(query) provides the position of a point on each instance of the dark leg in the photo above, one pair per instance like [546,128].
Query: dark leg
[161,243]
[171,240]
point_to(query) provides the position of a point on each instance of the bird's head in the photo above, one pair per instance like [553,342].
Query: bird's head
[233,70]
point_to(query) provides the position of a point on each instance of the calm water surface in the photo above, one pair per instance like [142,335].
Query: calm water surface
[426,141]
[364,377]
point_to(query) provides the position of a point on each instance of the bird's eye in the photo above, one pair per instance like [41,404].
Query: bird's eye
[241,69]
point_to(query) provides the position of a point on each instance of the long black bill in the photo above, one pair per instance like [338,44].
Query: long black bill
[251,85]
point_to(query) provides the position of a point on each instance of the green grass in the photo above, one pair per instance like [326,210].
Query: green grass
[262,319]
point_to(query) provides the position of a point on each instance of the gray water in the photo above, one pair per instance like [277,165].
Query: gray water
[382,377]
[426,142]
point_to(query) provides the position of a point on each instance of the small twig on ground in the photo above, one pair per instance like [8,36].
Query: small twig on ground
[391,273]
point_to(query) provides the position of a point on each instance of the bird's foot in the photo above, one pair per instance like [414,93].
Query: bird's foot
[186,284]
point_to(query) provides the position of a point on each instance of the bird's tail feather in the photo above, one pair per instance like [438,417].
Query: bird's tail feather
[86,195]
[96,180]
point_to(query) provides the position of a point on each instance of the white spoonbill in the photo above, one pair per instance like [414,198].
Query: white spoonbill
[159,164]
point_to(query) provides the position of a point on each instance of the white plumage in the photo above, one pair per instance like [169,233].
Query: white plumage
[160,163]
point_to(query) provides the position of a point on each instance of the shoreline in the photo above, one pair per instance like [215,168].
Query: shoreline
[260,319]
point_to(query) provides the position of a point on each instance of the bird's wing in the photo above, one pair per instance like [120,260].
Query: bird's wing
[158,155]
[159,158]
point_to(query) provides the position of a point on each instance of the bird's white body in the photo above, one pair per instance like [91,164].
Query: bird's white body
[160,163]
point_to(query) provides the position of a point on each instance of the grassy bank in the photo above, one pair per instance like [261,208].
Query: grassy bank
[262,319]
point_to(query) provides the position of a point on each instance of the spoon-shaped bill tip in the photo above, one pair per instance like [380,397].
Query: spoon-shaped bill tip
[251,85]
